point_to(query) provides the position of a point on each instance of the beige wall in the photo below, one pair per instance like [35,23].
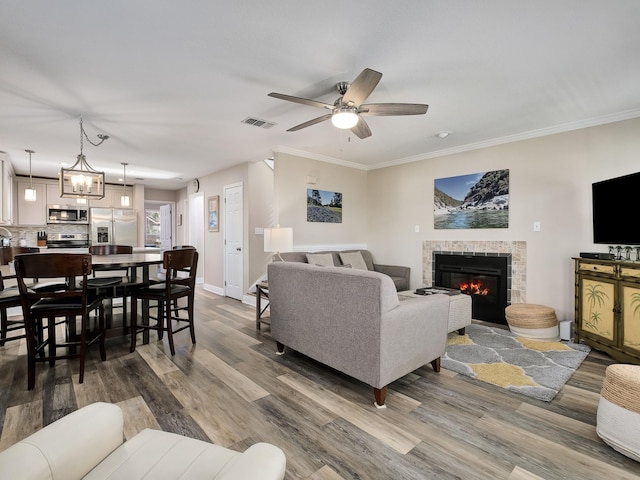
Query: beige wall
[261,211]
[291,186]
[550,182]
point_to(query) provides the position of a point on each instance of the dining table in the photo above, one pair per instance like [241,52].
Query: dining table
[121,261]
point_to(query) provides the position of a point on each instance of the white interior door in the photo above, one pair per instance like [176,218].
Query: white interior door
[166,228]
[233,241]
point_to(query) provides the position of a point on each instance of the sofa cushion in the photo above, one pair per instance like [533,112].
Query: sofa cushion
[321,259]
[354,259]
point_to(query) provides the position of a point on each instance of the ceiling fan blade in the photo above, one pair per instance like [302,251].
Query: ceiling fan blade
[303,101]
[390,109]
[310,122]
[362,87]
[361,129]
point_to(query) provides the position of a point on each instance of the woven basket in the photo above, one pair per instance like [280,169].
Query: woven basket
[622,386]
[528,315]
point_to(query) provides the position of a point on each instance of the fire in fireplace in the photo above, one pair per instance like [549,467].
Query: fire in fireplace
[482,277]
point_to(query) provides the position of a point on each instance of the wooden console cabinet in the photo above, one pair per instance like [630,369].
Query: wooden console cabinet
[608,307]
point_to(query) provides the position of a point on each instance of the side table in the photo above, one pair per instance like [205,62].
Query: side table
[262,291]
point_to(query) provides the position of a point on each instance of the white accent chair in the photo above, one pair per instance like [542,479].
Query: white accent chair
[89,443]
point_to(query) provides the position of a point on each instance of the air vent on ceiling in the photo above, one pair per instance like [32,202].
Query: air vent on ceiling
[257,122]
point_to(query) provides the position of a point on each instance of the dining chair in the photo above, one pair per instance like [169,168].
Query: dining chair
[176,306]
[180,266]
[112,287]
[10,296]
[70,303]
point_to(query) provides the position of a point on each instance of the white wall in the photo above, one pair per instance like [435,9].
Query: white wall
[550,182]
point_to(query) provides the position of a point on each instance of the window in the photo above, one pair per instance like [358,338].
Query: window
[152,227]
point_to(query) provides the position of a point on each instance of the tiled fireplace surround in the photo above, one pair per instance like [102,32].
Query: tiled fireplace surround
[516,268]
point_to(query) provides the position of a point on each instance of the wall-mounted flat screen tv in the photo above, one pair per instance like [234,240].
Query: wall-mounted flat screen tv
[615,203]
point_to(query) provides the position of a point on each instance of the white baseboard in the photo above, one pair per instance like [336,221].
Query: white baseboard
[213,289]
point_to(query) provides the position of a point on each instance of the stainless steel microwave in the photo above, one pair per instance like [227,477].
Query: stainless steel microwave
[67,214]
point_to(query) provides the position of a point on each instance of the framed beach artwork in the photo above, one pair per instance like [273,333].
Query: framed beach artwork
[214,213]
[324,206]
[477,200]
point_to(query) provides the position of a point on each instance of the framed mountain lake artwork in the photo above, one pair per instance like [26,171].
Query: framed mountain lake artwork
[477,200]
[324,206]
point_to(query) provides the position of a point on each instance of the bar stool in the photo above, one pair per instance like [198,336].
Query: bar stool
[180,266]
[114,286]
[69,303]
[10,296]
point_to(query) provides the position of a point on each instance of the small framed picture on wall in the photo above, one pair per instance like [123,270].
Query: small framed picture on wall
[214,213]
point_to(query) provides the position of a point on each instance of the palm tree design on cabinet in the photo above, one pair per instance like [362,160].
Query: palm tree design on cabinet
[631,317]
[599,318]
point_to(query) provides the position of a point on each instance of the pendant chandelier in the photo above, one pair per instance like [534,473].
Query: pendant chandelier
[30,193]
[81,180]
[125,200]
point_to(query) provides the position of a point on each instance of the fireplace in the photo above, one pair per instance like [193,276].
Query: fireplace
[484,278]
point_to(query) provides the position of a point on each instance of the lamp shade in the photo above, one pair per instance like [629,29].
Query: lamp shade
[30,194]
[279,239]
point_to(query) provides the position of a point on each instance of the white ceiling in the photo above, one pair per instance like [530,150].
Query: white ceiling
[170,82]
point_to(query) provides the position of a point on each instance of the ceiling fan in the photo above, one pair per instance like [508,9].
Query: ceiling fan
[347,111]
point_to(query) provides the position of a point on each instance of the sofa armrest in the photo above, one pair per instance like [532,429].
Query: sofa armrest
[67,448]
[261,460]
[413,334]
[395,271]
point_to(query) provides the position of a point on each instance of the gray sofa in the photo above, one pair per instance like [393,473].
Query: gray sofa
[400,275]
[352,321]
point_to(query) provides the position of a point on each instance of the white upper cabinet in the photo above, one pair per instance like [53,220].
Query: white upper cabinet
[6,190]
[31,213]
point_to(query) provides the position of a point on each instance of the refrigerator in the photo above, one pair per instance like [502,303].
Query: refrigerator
[115,226]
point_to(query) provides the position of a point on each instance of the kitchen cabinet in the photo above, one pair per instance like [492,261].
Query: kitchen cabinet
[607,305]
[31,213]
[6,190]
[106,201]
[111,197]
[53,195]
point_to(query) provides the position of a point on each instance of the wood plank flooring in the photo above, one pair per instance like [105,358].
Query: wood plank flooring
[233,390]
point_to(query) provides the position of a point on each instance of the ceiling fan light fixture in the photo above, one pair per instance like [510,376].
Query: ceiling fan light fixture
[344,117]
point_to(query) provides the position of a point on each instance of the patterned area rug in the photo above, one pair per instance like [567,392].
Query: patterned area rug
[496,356]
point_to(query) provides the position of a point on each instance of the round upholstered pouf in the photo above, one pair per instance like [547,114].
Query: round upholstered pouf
[618,419]
[535,322]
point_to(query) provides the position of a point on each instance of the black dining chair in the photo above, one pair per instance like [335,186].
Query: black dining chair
[10,296]
[112,287]
[180,278]
[70,303]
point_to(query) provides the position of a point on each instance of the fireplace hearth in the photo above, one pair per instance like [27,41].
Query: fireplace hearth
[484,278]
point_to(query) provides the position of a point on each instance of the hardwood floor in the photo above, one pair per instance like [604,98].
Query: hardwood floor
[233,390]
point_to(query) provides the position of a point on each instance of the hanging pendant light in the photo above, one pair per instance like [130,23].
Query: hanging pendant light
[81,180]
[30,193]
[125,201]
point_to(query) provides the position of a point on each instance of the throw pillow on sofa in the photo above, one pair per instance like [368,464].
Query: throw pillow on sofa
[355,259]
[320,259]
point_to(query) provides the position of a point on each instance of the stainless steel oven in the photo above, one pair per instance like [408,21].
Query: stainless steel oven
[67,214]
[68,240]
